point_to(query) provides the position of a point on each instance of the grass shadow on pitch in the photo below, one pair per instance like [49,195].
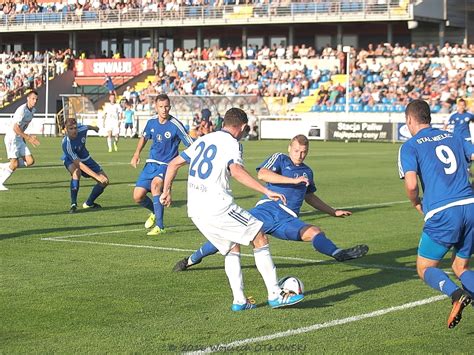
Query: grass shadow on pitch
[68,229]
[382,277]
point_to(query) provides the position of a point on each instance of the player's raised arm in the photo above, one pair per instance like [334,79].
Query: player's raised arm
[136,156]
[93,128]
[242,176]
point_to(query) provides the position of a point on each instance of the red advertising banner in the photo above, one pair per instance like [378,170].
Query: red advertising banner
[111,67]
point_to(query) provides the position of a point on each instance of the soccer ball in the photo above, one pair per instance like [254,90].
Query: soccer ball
[291,284]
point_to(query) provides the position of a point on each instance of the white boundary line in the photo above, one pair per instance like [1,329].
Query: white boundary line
[233,346]
[67,239]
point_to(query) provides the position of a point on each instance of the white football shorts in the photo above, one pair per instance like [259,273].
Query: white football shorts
[235,226]
[112,125]
[16,147]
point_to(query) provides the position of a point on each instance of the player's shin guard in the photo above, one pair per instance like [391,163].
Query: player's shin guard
[467,280]
[266,267]
[96,192]
[233,271]
[159,210]
[148,204]
[205,250]
[324,245]
[74,191]
[439,280]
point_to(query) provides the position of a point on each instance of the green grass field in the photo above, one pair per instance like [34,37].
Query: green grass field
[94,282]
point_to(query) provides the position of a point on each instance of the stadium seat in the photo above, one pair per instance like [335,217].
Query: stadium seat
[311,7]
[341,100]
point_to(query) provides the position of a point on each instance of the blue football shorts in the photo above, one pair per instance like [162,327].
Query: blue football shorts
[149,172]
[277,222]
[91,163]
[450,228]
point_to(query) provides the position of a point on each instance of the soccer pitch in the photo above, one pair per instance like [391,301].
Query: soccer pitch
[94,282]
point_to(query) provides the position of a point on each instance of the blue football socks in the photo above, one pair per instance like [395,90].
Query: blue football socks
[439,280]
[158,209]
[148,204]
[467,280]
[74,191]
[96,191]
[205,250]
[324,245]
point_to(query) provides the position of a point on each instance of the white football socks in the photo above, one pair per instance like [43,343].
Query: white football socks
[109,142]
[266,267]
[5,173]
[234,274]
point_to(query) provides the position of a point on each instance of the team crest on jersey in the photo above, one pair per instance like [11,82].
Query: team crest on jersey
[168,134]
[83,140]
[296,175]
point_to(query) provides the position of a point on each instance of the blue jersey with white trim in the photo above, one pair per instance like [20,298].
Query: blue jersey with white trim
[461,121]
[295,194]
[76,148]
[166,137]
[441,162]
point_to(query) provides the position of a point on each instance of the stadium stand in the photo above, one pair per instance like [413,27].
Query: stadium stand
[23,71]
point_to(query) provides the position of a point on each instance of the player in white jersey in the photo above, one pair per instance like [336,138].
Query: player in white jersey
[112,118]
[213,158]
[16,138]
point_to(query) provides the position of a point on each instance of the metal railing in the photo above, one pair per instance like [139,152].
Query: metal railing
[311,11]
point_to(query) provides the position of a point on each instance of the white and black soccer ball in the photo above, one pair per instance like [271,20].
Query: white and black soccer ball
[291,284]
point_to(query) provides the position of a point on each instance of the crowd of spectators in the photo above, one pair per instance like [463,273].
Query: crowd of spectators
[74,9]
[23,70]
[383,77]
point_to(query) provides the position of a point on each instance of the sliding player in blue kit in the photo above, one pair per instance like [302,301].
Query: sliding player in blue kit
[288,175]
[166,132]
[440,160]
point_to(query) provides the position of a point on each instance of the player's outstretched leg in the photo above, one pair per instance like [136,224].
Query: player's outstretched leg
[326,246]
[460,300]
[205,250]
[351,253]
[263,260]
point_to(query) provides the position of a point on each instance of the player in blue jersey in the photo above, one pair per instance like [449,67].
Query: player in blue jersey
[288,175]
[439,159]
[460,120]
[78,162]
[166,132]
